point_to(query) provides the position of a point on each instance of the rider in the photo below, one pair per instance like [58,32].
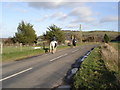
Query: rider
[54,39]
[74,41]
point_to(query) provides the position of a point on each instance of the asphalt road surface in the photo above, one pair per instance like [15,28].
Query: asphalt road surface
[44,71]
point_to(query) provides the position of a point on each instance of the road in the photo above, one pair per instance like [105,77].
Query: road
[44,71]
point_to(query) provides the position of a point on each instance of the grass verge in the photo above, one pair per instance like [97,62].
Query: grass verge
[111,57]
[93,74]
[20,54]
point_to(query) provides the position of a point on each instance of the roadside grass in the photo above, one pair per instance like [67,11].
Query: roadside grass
[11,49]
[20,54]
[110,54]
[116,45]
[93,74]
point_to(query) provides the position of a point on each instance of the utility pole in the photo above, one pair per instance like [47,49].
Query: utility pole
[80,33]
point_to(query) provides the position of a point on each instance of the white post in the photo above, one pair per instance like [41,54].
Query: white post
[20,46]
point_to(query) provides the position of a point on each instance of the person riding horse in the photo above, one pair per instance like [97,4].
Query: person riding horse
[53,45]
[74,42]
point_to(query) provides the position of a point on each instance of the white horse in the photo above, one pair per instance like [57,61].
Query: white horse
[53,46]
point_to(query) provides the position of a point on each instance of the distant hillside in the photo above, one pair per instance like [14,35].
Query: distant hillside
[90,36]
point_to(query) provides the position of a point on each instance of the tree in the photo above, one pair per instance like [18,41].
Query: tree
[54,31]
[26,33]
[9,41]
[106,38]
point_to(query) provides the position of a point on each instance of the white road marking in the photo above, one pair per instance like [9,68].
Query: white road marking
[75,50]
[16,74]
[58,57]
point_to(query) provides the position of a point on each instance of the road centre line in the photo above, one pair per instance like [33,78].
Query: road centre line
[75,50]
[16,74]
[58,57]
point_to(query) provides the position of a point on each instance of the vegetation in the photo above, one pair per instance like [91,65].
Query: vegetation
[54,31]
[110,54]
[106,38]
[26,33]
[16,53]
[92,36]
[116,45]
[93,74]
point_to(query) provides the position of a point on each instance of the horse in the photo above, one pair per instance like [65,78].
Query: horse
[53,46]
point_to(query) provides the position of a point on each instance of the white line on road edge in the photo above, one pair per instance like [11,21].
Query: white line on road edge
[15,74]
[58,57]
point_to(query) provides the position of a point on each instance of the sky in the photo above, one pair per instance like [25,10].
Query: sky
[66,15]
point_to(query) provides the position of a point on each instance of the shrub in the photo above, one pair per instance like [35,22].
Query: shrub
[106,38]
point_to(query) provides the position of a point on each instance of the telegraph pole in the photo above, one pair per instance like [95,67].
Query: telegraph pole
[80,33]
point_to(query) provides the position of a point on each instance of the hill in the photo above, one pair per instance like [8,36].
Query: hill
[91,36]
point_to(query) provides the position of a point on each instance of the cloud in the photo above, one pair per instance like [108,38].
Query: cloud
[56,15]
[78,11]
[63,17]
[83,11]
[109,19]
[85,20]
[82,14]
[44,5]
[72,26]
[53,5]
[61,0]
[59,15]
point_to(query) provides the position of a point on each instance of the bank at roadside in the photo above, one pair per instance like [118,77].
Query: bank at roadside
[95,74]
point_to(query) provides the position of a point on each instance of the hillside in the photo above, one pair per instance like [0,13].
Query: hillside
[90,36]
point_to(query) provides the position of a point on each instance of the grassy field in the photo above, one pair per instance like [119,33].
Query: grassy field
[15,53]
[93,74]
[11,53]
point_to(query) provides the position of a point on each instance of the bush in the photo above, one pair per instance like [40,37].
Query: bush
[106,38]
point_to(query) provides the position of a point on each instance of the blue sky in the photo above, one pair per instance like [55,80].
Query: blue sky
[67,15]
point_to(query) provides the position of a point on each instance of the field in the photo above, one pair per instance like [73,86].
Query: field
[15,53]
[11,53]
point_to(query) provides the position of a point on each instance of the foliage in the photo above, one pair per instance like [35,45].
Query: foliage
[54,31]
[18,54]
[26,33]
[106,38]
[93,74]
[9,41]
[110,54]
